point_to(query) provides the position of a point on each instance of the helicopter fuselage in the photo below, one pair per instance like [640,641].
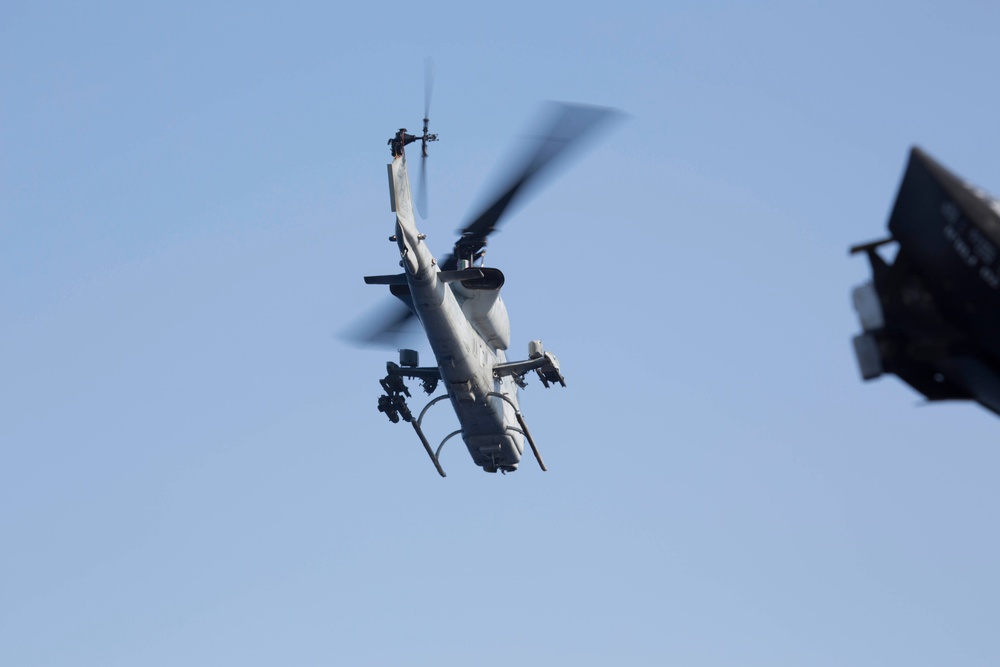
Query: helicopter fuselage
[468,332]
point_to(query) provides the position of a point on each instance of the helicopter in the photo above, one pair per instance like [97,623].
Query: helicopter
[456,300]
[931,316]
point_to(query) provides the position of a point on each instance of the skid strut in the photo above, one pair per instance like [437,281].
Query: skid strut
[393,403]
[524,429]
[427,446]
[423,439]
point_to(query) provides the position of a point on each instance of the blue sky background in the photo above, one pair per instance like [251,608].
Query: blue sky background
[193,469]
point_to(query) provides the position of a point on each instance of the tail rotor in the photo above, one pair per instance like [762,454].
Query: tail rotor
[425,138]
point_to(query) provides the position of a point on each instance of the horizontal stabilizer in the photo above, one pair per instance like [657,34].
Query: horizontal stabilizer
[397,279]
[460,274]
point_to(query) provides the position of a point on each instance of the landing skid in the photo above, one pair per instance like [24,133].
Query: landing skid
[393,405]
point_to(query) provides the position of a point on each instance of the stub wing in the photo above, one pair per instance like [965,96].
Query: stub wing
[544,363]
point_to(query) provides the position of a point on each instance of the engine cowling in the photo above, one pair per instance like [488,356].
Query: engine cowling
[480,301]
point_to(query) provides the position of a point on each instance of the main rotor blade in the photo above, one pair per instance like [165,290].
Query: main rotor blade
[387,326]
[565,126]
[428,84]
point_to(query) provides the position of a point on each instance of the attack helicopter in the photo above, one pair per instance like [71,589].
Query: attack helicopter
[931,316]
[456,300]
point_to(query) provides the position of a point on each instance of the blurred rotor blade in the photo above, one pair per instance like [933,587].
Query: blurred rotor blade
[387,326]
[422,180]
[561,131]
[428,84]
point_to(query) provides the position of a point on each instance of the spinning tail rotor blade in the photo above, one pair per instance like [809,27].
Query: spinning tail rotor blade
[422,180]
[560,133]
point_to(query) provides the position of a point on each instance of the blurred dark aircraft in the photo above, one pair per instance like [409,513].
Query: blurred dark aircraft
[932,317]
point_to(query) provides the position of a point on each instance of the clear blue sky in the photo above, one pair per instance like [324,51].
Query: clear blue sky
[193,469]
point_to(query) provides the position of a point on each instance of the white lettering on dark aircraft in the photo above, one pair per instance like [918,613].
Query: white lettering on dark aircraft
[972,246]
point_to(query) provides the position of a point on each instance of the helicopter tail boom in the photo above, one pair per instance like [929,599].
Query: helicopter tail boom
[415,255]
